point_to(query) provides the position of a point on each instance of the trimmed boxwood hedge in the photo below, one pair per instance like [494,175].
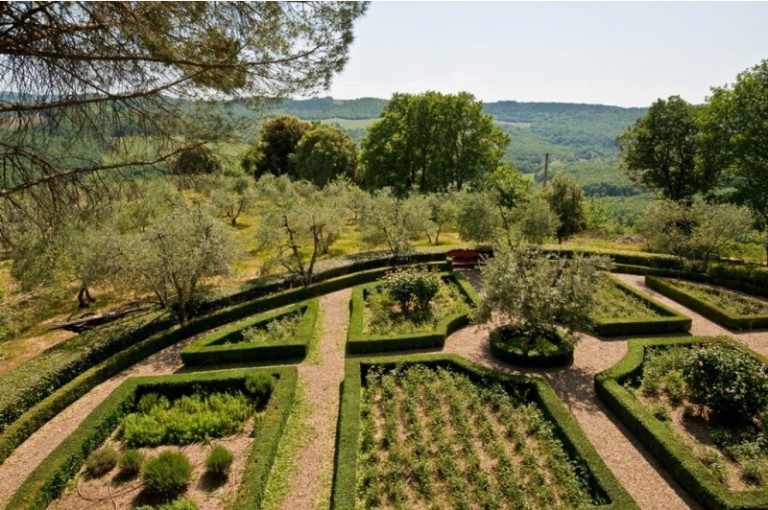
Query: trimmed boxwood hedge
[672,322]
[357,342]
[37,412]
[503,351]
[213,349]
[50,478]
[678,459]
[708,310]
[343,497]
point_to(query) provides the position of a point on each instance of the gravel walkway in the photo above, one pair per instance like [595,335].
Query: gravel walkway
[310,485]
[645,480]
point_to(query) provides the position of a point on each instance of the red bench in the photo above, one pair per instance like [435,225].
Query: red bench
[465,259]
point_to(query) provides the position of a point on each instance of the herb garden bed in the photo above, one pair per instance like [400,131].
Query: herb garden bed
[281,334]
[154,412]
[377,325]
[622,310]
[719,304]
[440,432]
[699,406]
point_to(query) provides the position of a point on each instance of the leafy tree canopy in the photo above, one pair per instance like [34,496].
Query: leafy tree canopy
[323,154]
[431,142]
[271,154]
[566,200]
[659,151]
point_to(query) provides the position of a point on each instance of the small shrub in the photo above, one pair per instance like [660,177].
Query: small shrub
[412,288]
[101,461]
[674,386]
[730,382]
[660,411]
[715,461]
[167,475]
[131,461]
[219,461]
[260,385]
[752,471]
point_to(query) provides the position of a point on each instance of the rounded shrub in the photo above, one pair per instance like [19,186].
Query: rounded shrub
[260,385]
[219,461]
[131,461]
[513,345]
[167,475]
[412,286]
[101,461]
[728,381]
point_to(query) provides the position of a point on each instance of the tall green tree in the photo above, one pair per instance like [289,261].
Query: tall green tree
[325,153]
[567,201]
[271,154]
[735,137]
[431,142]
[659,151]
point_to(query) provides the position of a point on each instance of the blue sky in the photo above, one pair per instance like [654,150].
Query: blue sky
[617,53]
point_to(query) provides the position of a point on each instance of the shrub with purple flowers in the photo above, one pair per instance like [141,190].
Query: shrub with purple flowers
[732,384]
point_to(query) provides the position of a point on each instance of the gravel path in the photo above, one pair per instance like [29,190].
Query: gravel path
[310,485]
[640,474]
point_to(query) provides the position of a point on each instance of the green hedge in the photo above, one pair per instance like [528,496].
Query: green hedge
[705,308]
[672,453]
[343,496]
[357,342]
[50,478]
[60,397]
[672,322]
[212,350]
[503,351]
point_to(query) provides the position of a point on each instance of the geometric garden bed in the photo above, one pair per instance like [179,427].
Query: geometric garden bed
[53,475]
[436,431]
[721,463]
[280,335]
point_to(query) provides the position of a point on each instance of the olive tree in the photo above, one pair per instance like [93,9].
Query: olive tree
[536,290]
[298,225]
[394,221]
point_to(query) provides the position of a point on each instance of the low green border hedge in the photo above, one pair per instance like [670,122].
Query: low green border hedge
[673,322]
[357,342]
[678,459]
[708,310]
[38,412]
[567,429]
[212,350]
[48,481]
[501,350]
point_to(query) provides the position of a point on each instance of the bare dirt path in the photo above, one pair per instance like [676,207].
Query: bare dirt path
[310,485]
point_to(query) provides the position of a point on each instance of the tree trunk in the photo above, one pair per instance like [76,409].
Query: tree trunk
[84,297]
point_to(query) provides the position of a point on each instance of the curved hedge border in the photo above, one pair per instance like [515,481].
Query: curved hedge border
[35,416]
[535,359]
[357,342]
[672,322]
[678,459]
[577,445]
[50,478]
[705,308]
[212,350]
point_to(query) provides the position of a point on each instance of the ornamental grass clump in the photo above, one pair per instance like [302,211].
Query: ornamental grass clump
[101,461]
[219,461]
[131,461]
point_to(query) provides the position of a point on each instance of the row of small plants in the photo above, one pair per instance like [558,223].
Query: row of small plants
[614,303]
[719,304]
[720,390]
[432,438]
